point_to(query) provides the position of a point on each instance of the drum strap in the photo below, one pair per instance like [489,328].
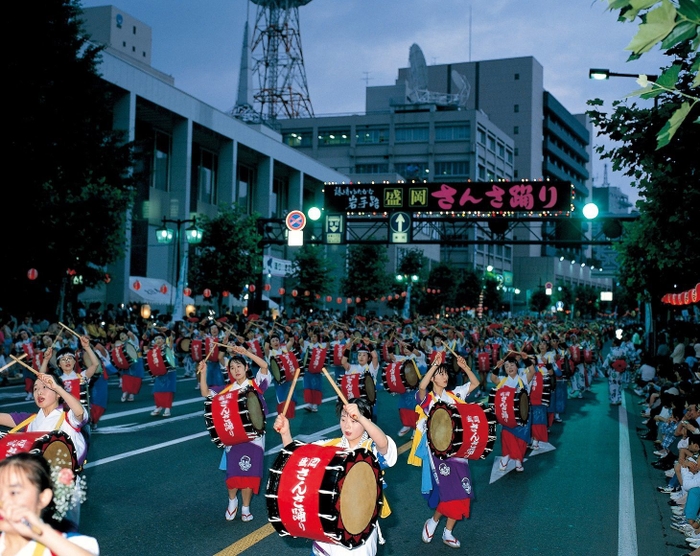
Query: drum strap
[38,549]
[520,383]
[31,418]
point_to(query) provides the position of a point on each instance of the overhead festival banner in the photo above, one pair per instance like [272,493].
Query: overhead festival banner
[539,197]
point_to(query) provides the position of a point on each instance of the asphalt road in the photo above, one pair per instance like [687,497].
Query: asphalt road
[154,487]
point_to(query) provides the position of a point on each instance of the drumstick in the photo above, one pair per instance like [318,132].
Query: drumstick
[24,365]
[335,387]
[69,329]
[290,393]
[35,529]
[12,363]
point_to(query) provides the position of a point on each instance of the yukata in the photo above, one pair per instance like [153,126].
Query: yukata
[615,365]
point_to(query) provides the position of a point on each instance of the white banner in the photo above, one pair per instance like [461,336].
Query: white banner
[276,267]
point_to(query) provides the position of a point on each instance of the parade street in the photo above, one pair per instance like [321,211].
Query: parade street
[154,487]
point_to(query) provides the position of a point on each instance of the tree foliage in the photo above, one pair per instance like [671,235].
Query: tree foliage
[74,187]
[539,300]
[310,273]
[229,256]
[667,23]
[366,272]
[661,247]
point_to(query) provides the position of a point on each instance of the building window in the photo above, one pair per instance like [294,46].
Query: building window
[481,136]
[507,252]
[515,173]
[517,77]
[205,165]
[333,137]
[246,180]
[144,53]
[482,172]
[411,134]
[509,156]
[161,161]
[124,44]
[492,144]
[372,136]
[490,176]
[456,168]
[516,130]
[501,150]
[371,168]
[515,151]
[412,170]
[297,138]
[516,108]
[133,49]
[452,133]
[134,30]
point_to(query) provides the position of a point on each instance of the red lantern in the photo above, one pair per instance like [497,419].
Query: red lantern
[251,288]
[403,294]
[318,296]
[339,300]
[357,300]
[328,299]
[686,298]
[32,274]
[136,285]
[187,292]
[349,300]
[164,289]
[206,293]
[107,279]
[267,287]
[294,293]
[224,293]
[281,291]
[383,298]
[307,293]
[695,295]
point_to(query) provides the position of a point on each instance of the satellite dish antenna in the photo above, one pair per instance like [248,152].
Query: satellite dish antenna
[418,73]
[464,89]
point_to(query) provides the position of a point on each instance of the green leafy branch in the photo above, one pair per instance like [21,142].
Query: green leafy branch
[668,23]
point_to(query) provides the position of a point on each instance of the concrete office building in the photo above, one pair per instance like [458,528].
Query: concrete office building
[504,125]
[192,157]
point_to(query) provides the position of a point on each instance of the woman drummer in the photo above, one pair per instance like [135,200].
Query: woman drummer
[164,386]
[449,491]
[516,379]
[244,462]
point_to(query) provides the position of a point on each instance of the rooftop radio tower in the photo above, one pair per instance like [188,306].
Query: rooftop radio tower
[278,62]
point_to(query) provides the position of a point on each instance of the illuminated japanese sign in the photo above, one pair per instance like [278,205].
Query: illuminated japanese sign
[541,197]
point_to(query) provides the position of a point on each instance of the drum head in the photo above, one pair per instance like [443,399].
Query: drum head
[130,351]
[524,408]
[185,345]
[275,370]
[169,357]
[410,374]
[57,448]
[440,429]
[370,389]
[356,507]
[255,411]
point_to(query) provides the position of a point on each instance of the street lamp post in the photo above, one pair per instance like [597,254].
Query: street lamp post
[193,235]
[401,278]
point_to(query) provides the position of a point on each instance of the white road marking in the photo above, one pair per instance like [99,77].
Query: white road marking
[626,521]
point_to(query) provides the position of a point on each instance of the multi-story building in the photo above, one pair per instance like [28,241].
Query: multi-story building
[192,158]
[481,121]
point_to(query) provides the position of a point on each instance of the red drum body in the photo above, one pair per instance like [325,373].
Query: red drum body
[495,351]
[575,352]
[196,350]
[400,377]
[358,386]
[324,493]
[55,446]
[37,360]
[464,430]
[234,417]
[540,389]
[587,356]
[254,347]
[123,356]
[317,360]
[283,366]
[211,350]
[338,354]
[483,361]
[159,360]
[510,407]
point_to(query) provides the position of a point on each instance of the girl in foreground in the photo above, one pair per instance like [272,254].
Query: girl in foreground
[26,496]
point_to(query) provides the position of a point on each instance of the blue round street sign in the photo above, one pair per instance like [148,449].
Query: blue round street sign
[296,220]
